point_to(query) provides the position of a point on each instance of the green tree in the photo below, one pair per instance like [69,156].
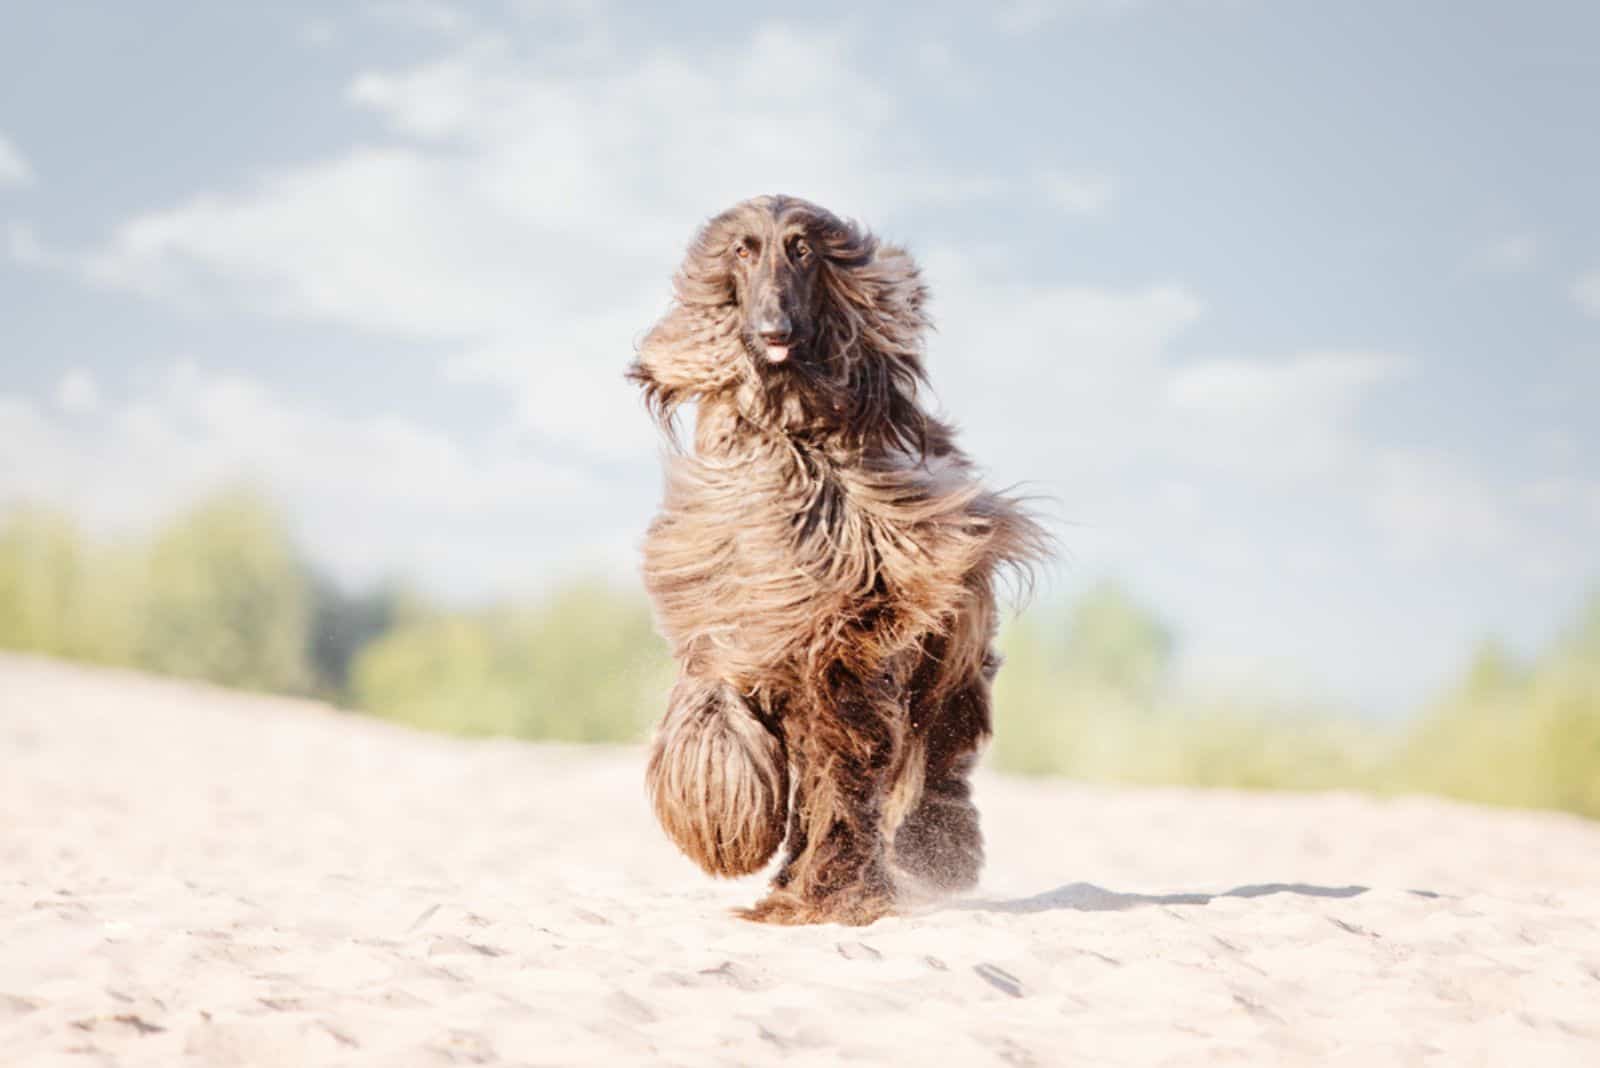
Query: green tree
[227,599]
[63,598]
[584,665]
[1512,736]
[41,581]
[1492,674]
[1115,642]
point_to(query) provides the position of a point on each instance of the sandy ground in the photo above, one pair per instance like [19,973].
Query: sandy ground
[190,876]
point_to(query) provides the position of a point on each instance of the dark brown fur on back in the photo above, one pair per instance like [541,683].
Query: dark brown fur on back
[824,567]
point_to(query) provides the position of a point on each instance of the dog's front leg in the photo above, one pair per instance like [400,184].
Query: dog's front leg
[718,778]
[843,746]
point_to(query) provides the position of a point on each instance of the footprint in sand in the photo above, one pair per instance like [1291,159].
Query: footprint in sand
[1000,979]
[857,951]
[737,975]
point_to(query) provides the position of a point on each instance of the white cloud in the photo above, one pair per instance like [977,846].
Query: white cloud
[1239,388]
[317,32]
[524,216]
[1051,379]
[1568,494]
[989,315]
[1025,16]
[77,393]
[1078,194]
[1029,16]
[1435,508]
[1428,505]
[14,169]
[1290,418]
[1035,371]
[387,240]
[370,496]
[1080,392]
[1512,254]
[528,216]
[1586,292]
[22,245]
[433,16]
[936,57]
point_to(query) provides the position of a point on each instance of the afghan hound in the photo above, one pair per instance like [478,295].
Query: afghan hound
[824,566]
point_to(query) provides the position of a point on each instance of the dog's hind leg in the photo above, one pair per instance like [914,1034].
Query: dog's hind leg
[718,778]
[939,841]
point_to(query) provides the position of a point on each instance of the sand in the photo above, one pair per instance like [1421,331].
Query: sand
[193,876]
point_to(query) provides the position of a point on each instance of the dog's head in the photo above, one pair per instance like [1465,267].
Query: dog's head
[779,254]
[816,314]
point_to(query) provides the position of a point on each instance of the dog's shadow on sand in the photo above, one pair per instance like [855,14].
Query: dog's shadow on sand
[1087,897]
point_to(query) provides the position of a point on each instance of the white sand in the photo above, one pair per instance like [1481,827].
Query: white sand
[194,876]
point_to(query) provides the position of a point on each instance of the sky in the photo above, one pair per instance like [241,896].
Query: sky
[1290,310]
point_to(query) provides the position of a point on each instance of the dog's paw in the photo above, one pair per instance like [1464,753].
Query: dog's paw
[718,780]
[787,908]
[940,845]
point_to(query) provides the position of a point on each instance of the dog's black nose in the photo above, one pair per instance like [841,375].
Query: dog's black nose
[775,328]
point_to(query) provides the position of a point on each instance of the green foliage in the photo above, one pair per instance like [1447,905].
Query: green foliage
[218,595]
[583,666]
[59,598]
[1087,696]
[1095,708]
[1510,736]
[1114,643]
[41,582]
[1079,689]
[227,598]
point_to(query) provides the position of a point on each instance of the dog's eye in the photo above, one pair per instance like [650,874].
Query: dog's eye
[742,250]
[802,249]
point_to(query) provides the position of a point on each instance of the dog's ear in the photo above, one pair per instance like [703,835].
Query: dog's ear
[877,309]
[846,245]
[639,374]
[689,353]
[898,282]
[662,400]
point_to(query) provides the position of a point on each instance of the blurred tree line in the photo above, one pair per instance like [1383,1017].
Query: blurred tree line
[222,594]
[1089,693]
[218,594]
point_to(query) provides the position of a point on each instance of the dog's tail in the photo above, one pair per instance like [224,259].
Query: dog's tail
[718,779]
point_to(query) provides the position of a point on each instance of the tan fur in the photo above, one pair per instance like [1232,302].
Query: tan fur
[823,565]
[718,780]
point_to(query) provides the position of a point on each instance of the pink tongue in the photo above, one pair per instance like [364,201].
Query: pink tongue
[777,353]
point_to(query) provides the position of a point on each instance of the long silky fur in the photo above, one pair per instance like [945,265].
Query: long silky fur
[718,780]
[824,566]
